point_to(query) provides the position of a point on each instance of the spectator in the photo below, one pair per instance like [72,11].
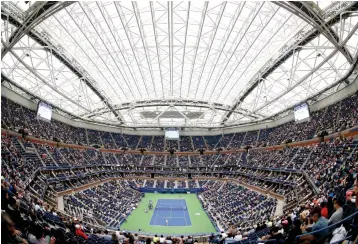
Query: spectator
[114,239]
[324,210]
[276,234]
[38,236]
[338,214]
[319,223]
[295,231]
[162,239]
[106,236]
[233,230]
[189,240]
[9,234]
[238,236]
[136,239]
[120,236]
[79,232]
[168,240]
[155,238]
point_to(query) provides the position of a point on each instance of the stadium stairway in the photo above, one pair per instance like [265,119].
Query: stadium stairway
[191,142]
[307,159]
[164,159]
[223,184]
[279,208]
[302,155]
[27,154]
[59,158]
[292,154]
[48,161]
[60,204]
[189,161]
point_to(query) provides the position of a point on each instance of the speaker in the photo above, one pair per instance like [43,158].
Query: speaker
[322,133]
[151,175]
[96,146]
[189,176]
[287,141]
[142,150]
[201,151]
[247,147]
[171,151]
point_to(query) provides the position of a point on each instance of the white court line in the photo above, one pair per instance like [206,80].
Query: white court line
[172,217]
[163,203]
[174,226]
[170,211]
[156,217]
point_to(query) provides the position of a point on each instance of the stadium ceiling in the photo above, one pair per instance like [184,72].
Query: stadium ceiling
[183,64]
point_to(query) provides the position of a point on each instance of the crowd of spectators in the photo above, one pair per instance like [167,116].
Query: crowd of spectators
[336,117]
[212,141]
[279,159]
[198,142]
[171,145]
[107,140]
[158,144]
[172,161]
[26,215]
[193,184]
[26,219]
[317,220]
[348,114]
[250,138]
[332,167]
[147,160]
[232,203]
[183,161]
[231,192]
[132,140]
[186,144]
[110,202]
[333,163]
[159,160]
[196,161]
[237,140]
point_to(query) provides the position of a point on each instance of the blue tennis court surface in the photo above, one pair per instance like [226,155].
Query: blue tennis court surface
[173,210]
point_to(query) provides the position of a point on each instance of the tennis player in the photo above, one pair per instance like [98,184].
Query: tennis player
[166,222]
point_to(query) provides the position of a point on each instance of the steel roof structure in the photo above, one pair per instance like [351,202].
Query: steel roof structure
[184,64]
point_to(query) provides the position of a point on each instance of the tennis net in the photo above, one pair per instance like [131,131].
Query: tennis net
[171,208]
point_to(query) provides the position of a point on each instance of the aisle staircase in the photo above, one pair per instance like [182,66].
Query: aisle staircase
[28,155]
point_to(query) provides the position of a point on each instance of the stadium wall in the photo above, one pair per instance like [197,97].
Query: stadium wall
[347,91]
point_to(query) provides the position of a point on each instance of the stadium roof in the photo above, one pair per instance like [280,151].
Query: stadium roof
[194,64]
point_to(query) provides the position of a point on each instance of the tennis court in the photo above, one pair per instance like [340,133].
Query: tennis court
[149,222]
[175,211]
